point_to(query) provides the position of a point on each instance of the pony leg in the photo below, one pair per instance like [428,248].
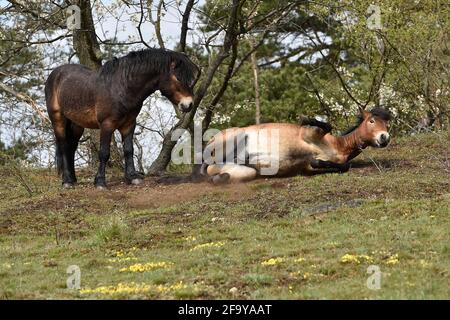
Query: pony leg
[103,155]
[131,175]
[214,169]
[230,172]
[63,133]
[326,127]
[74,133]
[59,124]
[63,159]
[331,166]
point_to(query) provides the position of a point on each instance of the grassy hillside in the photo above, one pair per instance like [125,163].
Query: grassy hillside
[294,238]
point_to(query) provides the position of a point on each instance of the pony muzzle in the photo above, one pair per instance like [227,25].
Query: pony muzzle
[382,139]
[186,104]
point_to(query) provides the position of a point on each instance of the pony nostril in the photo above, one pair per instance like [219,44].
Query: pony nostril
[383,139]
[186,106]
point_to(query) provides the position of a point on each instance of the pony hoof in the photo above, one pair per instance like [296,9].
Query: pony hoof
[67,185]
[221,178]
[137,181]
[100,187]
[139,174]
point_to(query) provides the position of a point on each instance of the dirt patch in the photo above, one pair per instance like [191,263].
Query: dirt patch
[84,198]
[153,195]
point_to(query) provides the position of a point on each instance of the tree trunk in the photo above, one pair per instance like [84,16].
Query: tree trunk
[88,52]
[160,164]
[255,70]
[256,85]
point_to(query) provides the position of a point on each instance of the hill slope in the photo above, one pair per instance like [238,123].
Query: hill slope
[301,237]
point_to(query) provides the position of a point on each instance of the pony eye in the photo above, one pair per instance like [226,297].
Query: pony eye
[372,121]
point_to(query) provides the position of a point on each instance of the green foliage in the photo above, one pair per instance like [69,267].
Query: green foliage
[115,229]
[282,98]
[17,151]
[403,66]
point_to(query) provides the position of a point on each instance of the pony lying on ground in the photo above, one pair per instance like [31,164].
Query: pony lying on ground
[305,148]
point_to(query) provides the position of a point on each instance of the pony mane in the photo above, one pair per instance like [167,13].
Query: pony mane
[384,114]
[151,60]
[376,112]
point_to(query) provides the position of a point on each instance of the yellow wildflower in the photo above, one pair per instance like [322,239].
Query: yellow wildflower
[208,245]
[350,258]
[120,253]
[134,289]
[392,260]
[142,267]
[168,288]
[123,256]
[424,264]
[272,261]
[299,260]
[367,258]
[118,260]
[121,288]
[332,244]
[353,258]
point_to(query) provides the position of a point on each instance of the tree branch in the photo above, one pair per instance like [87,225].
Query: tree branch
[184,25]
[210,109]
[140,23]
[27,99]
[156,23]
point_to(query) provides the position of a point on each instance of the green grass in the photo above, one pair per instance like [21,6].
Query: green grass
[225,237]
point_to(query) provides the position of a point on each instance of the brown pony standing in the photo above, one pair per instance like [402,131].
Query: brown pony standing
[78,97]
[305,148]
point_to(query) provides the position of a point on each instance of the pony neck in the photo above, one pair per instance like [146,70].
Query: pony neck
[351,144]
[132,83]
[141,83]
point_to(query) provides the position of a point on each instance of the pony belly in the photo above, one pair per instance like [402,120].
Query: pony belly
[86,117]
[280,165]
[293,166]
[265,164]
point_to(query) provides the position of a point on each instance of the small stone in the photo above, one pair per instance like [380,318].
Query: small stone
[234,291]
[137,181]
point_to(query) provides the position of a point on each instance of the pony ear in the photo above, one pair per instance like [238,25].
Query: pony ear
[366,114]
